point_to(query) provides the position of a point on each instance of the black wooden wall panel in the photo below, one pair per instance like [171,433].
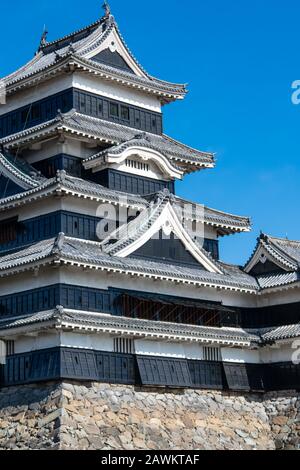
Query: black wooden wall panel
[113,59]
[275,315]
[164,371]
[31,367]
[86,103]
[35,113]
[116,368]
[50,225]
[256,377]
[207,374]
[101,107]
[127,183]
[27,302]
[47,298]
[236,376]
[50,166]
[79,364]
[282,376]
[88,365]
[166,249]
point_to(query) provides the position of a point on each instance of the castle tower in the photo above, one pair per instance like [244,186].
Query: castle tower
[106,276]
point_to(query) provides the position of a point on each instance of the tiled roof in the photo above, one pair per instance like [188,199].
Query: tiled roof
[226,222]
[89,254]
[278,279]
[76,49]
[290,248]
[115,324]
[76,186]
[165,144]
[281,333]
[19,171]
[111,133]
[282,252]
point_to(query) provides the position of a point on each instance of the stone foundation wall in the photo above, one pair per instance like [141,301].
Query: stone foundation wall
[101,416]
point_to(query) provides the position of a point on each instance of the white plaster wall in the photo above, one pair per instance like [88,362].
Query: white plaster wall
[28,280]
[153,348]
[86,83]
[154,171]
[98,342]
[22,98]
[35,209]
[117,92]
[240,356]
[288,296]
[43,341]
[277,354]
[169,349]
[193,351]
[103,280]
[53,147]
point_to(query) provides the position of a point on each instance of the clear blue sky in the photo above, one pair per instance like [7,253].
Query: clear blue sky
[239,58]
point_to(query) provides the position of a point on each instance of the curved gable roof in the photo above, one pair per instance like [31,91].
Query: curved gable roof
[279,252]
[80,50]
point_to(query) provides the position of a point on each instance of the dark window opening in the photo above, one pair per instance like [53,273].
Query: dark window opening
[35,112]
[24,116]
[8,231]
[125,113]
[157,311]
[114,110]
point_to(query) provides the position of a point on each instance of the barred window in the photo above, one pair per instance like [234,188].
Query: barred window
[212,354]
[123,345]
[137,165]
[10,348]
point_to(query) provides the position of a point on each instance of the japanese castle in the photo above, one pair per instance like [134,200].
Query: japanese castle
[105,274]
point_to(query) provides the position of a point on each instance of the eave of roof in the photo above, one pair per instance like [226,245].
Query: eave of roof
[67,319]
[19,172]
[66,185]
[84,126]
[81,253]
[69,52]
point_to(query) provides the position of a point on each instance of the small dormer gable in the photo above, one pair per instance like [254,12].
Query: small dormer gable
[136,156]
[274,255]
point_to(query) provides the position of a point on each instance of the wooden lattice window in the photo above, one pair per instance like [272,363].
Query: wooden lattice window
[10,348]
[123,345]
[212,354]
[169,312]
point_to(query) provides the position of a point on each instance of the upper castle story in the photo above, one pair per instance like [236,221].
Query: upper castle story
[85,105]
